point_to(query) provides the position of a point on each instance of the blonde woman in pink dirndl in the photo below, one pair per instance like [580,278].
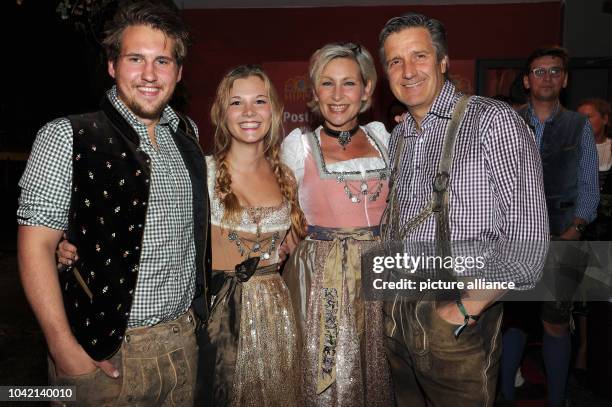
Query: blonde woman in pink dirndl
[342,170]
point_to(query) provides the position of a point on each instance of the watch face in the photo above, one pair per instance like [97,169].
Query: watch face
[580,228]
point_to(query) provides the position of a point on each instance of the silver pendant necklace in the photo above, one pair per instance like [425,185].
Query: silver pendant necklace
[343,136]
[263,247]
[355,195]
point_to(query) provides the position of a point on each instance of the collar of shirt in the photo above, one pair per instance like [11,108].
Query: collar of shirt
[538,127]
[442,107]
[168,117]
[533,119]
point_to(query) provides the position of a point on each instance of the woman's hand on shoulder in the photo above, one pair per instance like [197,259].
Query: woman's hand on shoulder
[286,248]
[283,254]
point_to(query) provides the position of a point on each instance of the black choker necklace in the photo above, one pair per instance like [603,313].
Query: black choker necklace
[344,136]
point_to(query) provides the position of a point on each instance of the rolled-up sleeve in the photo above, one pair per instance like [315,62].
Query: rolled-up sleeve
[47,180]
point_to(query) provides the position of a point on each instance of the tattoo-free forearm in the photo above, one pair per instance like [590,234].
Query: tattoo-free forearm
[37,268]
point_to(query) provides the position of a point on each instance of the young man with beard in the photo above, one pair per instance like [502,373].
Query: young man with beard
[127,183]
[444,352]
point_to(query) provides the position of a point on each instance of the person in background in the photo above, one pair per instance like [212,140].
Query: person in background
[567,147]
[598,113]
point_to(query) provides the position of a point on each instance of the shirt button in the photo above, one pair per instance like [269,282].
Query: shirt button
[175,329]
[127,338]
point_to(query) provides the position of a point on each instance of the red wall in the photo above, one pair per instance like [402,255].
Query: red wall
[225,38]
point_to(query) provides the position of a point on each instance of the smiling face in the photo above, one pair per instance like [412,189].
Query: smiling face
[548,87]
[340,92]
[415,74]
[249,114]
[145,72]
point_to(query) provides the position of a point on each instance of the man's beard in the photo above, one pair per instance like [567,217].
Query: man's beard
[146,112]
[142,109]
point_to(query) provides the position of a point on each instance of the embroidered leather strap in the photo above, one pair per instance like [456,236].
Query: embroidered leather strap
[439,200]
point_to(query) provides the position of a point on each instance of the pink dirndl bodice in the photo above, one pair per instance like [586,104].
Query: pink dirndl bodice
[322,194]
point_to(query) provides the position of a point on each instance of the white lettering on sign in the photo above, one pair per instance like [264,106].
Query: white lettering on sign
[295,117]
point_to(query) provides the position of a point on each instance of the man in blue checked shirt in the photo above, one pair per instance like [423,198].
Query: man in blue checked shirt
[569,160]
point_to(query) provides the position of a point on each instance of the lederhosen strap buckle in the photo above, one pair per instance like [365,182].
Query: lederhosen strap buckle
[440,185]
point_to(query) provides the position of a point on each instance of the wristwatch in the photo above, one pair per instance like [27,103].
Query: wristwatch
[580,227]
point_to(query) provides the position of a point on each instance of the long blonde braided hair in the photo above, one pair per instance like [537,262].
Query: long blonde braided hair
[272,141]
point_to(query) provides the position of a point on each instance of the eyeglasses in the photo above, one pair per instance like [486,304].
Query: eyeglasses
[553,71]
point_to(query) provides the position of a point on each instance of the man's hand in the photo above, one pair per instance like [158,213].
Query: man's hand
[475,303]
[570,234]
[74,361]
[66,253]
[283,254]
[450,313]
[400,117]
[286,248]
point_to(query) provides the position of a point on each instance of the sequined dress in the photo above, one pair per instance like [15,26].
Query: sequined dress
[343,358]
[251,327]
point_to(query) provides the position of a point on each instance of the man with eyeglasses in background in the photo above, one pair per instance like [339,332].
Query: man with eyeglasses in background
[569,160]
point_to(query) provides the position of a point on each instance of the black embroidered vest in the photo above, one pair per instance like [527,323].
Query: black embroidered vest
[560,163]
[110,193]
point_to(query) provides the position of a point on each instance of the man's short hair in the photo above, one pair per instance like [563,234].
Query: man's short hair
[414,20]
[548,52]
[158,15]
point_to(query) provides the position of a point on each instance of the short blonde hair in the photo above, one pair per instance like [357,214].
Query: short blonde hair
[355,52]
